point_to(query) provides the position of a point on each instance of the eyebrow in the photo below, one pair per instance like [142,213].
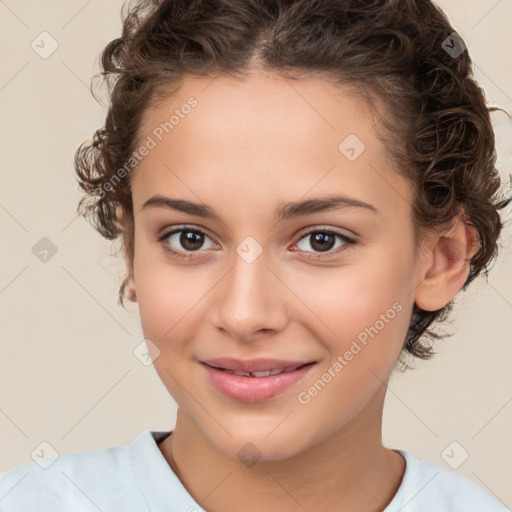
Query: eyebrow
[285,211]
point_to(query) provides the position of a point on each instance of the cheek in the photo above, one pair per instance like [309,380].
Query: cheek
[361,313]
[352,296]
[364,320]
[164,302]
[165,294]
[168,300]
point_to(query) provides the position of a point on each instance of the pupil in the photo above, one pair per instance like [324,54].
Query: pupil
[191,240]
[322,241]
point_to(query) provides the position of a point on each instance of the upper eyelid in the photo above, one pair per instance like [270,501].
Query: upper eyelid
[319,227]
[176,229]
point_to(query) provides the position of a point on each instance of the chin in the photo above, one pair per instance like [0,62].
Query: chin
[255,444]
[251,452]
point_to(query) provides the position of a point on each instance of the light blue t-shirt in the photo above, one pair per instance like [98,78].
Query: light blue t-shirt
[137,478]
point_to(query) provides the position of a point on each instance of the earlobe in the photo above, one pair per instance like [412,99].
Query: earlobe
[448,266]
[130,279]
[132,294]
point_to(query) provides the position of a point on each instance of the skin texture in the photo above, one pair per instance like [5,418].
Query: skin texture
[246,148]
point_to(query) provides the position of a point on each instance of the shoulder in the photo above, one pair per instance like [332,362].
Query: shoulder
[78,481]
[427,486]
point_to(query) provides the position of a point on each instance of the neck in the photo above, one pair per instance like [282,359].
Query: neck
[349,469]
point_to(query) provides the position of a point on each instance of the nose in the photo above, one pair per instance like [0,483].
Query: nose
[250,300]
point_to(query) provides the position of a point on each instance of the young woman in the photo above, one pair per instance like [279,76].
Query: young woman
[301,188]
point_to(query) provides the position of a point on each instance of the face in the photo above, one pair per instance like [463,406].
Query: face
[258,278]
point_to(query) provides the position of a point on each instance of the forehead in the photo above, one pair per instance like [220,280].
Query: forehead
[261,134]
[260,106]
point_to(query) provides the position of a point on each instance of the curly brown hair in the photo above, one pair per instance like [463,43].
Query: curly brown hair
[433,115]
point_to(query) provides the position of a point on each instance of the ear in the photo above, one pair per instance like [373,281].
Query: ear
[127,233]
[132,294]
[446,264]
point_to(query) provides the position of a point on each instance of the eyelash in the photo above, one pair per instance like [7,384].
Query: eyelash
[314,256]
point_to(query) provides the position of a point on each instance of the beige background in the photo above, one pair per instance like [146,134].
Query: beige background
[67,371]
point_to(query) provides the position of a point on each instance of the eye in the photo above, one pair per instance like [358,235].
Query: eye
[182,242]
[188,240]
[324,240]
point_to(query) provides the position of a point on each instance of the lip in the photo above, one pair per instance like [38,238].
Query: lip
[253,365]
[254,389]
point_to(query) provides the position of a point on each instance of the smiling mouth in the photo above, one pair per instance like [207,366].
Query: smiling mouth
[263,382]
[266,373]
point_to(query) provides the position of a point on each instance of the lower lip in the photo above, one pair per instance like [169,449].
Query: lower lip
[253,389]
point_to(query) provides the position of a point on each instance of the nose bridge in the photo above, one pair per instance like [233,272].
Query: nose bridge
[249,298]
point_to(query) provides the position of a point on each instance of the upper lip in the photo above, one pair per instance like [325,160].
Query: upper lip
[253,365]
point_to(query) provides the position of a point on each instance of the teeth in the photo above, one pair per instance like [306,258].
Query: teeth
[265,373]
[292,369]
[261,374]
[239,372]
